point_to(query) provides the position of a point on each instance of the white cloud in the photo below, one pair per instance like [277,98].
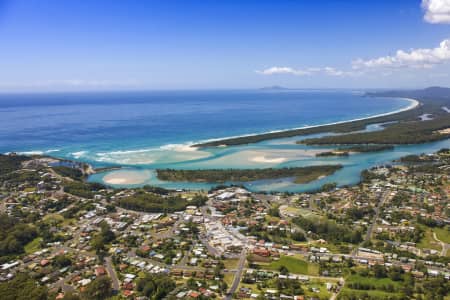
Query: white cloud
[436,11]
[415,58]
[309,71]
[283,70]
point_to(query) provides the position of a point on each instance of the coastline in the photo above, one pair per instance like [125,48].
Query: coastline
[223,142]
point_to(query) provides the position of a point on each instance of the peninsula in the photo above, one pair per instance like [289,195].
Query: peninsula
[431,101]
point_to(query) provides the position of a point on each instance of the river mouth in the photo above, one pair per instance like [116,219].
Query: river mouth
[353,165]
[142,132]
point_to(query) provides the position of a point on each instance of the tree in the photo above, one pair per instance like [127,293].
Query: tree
[22,287]
[298,236]
[62,261]
[98,244]
[191,283]
[283,270]
[379,271]
[98,289]
[155,286]
[395,273]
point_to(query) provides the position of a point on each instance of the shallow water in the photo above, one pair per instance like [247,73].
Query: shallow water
[147,130]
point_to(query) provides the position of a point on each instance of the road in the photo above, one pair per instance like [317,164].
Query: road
[381,201]
[237,275]
[112,273]
[377,213]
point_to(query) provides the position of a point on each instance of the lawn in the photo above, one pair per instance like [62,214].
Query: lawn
[322,294]
[443,234]
[294,264]
[376,282]
[230,264]
[428,242]
[347,293]
[33,246]
[228,278]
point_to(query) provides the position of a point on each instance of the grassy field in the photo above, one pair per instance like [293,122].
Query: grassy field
[377,282]
[322,294]
[228,278]
[347,293]
[295,265]
[33,246]
[443,234]
[230,264]
[428,242]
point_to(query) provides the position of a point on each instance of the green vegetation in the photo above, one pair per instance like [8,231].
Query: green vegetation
[413,132]
[443,234]
[155,286]
[14,236]
[428,242]
[150,202]
[385,283]
[98,289]
[329,230]
[378,283]
[349,294]
[293,265]
[432,99]
[82,189]
[22,288]
[33,246]
[104,237]
[10,163]
[367,148]
[332,153]
[73,173]
[302,174]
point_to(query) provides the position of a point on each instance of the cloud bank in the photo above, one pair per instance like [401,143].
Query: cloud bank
[423,58]
[415,58]
[330,71]
[436,11]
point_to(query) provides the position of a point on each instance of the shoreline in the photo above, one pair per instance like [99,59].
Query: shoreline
[222,142]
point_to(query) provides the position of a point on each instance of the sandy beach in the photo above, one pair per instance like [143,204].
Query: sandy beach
[123,177]
[413,104]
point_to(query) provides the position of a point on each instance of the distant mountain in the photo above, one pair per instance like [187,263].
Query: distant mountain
[430,92]
[274,88]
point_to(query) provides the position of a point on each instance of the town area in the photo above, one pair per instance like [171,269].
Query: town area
[62,237]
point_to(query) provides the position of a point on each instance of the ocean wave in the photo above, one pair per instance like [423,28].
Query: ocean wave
[186,147]
[52,150]
[31,152]
[78,154]
[37,152]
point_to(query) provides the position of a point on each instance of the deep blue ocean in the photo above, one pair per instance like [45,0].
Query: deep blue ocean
[145,130]
[135,120]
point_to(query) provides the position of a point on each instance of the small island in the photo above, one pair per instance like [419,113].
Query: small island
[345,151]
[301,174]
[332,153]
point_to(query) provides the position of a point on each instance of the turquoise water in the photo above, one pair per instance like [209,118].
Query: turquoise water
[146,130]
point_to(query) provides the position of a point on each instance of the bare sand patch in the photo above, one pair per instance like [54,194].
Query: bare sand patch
[124,177]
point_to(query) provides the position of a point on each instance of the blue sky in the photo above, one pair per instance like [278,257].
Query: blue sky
[90,45]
